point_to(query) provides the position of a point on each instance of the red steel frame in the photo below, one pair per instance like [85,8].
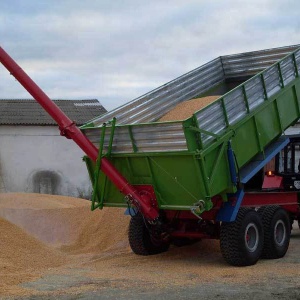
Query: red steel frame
[144,201]
[287,200]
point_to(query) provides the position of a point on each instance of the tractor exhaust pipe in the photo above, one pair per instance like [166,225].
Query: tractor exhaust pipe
[68,129]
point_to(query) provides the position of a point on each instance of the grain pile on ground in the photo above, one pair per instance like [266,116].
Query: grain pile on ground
[62,221]
[186,109]
[53,229]
[21,255]
[105,231]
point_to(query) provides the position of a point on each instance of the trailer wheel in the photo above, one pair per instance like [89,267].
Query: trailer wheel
[241,241]
[140,239]
[276,223]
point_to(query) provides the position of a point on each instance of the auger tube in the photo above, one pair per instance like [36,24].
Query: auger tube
[71,131]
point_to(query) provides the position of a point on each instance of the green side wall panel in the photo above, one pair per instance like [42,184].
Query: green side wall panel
[288,107]
[297,91]
[246,142]
[268,124]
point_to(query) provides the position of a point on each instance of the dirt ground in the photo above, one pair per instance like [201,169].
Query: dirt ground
[91,259]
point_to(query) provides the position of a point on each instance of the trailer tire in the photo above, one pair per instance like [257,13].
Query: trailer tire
[276,223]
[241,241]
[140,240]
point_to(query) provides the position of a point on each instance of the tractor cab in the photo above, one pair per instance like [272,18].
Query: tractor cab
[287,165]
[282,173]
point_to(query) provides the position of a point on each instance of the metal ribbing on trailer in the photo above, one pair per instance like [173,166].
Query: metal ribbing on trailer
[252,93]
[211,119]
[251,63]
[235,106]
[159,137]
[287,70]
[215,118]
[255,92]
[297,57]
[153,105]
[272,80]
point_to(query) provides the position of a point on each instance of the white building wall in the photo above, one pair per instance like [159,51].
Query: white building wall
[26,151]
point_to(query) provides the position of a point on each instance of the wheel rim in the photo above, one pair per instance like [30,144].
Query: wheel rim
[279,233]
[251,237]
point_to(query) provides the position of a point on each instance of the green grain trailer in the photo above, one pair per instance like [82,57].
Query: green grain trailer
[187,180]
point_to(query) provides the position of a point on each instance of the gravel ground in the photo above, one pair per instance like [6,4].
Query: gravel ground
[193,272]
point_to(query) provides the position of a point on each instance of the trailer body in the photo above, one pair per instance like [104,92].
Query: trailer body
[187,162]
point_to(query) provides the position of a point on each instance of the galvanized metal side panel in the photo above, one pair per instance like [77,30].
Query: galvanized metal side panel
[159,137]
[251,63]
[236,104]
[272,80]
[153,105]
[297,58]
[156,137]
[211,119]
[288,70]
[255,92]
[225,112]
[121,140]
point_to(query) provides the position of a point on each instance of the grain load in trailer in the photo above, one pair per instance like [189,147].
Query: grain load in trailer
[185,110]
[186,180]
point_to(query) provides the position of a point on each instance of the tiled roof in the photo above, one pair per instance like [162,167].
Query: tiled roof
[29,112]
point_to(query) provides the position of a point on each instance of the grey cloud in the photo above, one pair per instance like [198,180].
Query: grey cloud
[118,50]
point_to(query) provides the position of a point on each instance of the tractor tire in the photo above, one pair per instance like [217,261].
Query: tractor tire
[241,241]
[140,239]
[276,224]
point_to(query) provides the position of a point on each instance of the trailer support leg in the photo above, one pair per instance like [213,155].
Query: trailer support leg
[229,209]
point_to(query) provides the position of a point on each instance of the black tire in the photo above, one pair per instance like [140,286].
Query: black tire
[276,224]
[140,239]
[241,241]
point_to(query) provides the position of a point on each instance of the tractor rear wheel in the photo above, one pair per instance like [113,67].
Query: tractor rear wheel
[276,223]
[241,241]
[141,241]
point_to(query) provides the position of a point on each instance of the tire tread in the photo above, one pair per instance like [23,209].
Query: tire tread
[140,239]
[269,251]
[230,242]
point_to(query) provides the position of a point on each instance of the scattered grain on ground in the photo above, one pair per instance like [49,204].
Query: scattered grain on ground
[98,256]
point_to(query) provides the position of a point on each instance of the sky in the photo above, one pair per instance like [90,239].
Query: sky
[115,51]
